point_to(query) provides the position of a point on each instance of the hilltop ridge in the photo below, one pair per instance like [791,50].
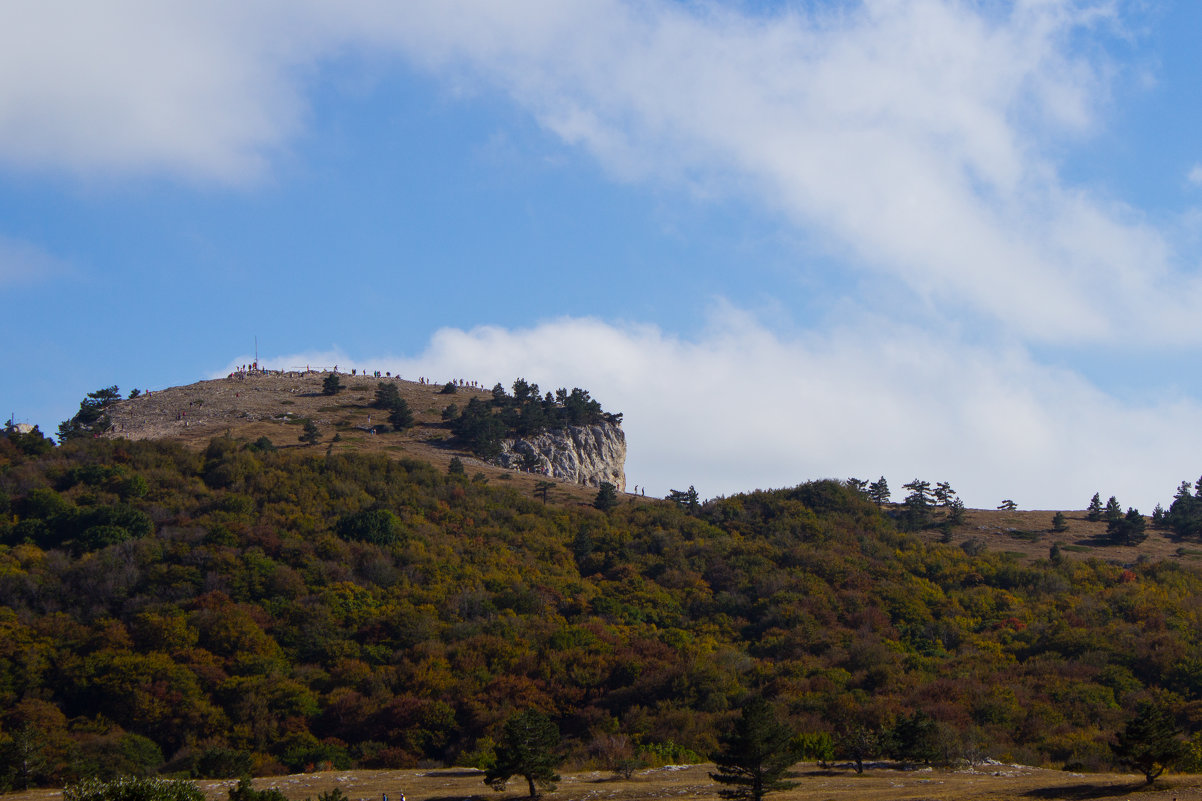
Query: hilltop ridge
[276,404]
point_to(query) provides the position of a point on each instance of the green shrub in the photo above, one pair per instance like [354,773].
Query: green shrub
[132,789]
[220,762]
[102,536]
[377,526]
[115,756]
[135,486]
[815,747]
[262,444]
[303,752]
[245,791]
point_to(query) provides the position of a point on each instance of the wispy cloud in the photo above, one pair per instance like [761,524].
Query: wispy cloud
[914,142]
[25,263]
[913,138]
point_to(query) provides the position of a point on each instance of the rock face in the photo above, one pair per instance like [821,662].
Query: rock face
[580,454]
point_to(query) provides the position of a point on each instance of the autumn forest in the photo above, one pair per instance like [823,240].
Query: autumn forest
[245,610]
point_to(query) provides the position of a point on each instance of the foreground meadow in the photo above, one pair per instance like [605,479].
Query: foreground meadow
[984,783]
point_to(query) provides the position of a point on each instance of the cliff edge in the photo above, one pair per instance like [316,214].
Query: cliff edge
[586,455]
[276,405]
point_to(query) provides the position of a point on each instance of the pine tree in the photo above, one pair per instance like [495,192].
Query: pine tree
[311,436]
[526,748]
[332,385]
[1113,510]
[92,416]
[1128,530]
[955,512]
[688,499]
[1151,742]
[917,513]
[915,738]
[1059,522]
[400,416]
[1094,512]
[607,497]
[387,395]
[920,493]
[756,755]
[878,491]
[542,488]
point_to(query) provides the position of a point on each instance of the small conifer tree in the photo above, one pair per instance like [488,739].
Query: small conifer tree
[1151,742]
[607,497]
[311,435]
[400,416]
[332,385]
[527,748]
[1113,511]
[387,395]
[756,755]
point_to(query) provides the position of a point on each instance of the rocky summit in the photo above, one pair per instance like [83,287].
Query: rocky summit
[277,404]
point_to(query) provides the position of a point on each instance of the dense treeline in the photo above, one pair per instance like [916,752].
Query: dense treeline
[481,425]
[247,610]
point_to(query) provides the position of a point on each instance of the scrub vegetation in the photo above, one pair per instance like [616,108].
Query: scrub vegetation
[248,610]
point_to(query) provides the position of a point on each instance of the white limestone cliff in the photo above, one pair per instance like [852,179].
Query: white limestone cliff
[581,454]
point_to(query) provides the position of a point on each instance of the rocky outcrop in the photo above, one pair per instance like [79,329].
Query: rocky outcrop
[580,454]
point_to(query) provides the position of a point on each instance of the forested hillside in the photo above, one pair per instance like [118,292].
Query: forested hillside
[248,609]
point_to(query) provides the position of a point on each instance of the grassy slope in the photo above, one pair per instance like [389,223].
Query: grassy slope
[274,407]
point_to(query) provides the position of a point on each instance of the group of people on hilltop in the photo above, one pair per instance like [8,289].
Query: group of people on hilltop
[458,382]
[244,370]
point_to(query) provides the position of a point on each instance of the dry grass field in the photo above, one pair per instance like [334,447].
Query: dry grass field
[986,783]
[275,406]
[1029,533]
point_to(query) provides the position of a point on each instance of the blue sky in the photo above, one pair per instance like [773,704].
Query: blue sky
[950,240]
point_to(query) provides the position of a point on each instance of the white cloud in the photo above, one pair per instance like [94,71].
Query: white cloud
[741,407]
[1195,175]
[199,89]
[912,135]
